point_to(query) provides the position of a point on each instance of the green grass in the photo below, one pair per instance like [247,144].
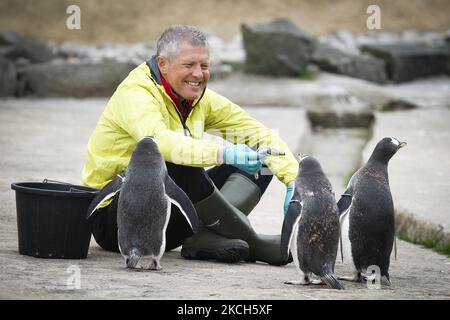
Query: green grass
[307,74]
[398,105]
[426,234]
[349,175]
[386,108]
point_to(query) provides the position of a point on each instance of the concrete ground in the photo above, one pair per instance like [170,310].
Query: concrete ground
[46,138]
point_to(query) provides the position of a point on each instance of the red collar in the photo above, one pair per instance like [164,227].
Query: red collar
[183,111]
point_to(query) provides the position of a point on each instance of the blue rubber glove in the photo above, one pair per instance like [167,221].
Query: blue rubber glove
[243,158]
[288,198]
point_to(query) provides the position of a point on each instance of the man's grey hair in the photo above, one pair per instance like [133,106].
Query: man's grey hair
[169,42]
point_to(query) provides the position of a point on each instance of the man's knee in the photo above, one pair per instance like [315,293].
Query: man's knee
[192,180]
[262,181]
[220,175]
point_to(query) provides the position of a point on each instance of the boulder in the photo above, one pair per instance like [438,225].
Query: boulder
[14,46]
[360,66]
[7,78]
[342,110]
[74,80]
[407,61]
[347,119]
[277,48]
[447,43]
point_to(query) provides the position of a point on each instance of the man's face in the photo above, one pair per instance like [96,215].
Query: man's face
[188,72]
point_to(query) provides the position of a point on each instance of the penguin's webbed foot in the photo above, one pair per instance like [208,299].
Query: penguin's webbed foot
[318,282]
[154,265]
[383,281]
[298,282]
[355,278]
[304,281]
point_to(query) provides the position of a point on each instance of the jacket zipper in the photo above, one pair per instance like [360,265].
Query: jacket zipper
[186,130]
[185,127]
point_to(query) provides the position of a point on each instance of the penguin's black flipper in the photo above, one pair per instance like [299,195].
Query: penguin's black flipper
[344,202]
[289,223]
[181,200]
[109,191]
[346,198]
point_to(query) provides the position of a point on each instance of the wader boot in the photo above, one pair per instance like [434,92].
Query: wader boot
[207,245]
[219,215]
[241,192]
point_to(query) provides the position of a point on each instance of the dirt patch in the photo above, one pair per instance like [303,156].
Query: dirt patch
[119,21]
[420,232]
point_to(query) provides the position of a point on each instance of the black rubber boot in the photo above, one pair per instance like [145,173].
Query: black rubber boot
[244,195]
[206,245]
[220,216]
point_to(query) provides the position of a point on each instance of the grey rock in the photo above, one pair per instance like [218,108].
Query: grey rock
[74,80]
[277,48]
[14,46]
[216,45]
[347,38]
[337,42]
[354,65]
[233,52]
[7,78]
[447,36]
[339,111]
[124,53]
[220,71]
[349,42]
[447,44]
[347,119]
[406,61]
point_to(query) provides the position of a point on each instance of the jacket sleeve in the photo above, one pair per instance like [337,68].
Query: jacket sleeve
[235,125]
[140,114]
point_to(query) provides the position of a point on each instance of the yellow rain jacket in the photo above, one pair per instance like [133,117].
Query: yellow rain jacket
[141,107]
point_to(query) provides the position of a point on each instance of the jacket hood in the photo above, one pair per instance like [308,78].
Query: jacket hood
[154,69]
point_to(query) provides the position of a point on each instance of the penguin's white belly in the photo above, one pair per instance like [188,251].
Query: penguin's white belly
[346,248]
[294,252]
[157,255]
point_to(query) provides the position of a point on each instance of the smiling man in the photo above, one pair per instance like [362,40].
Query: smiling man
[167,98]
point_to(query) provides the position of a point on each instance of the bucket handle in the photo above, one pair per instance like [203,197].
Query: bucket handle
[72,189]
[56,181]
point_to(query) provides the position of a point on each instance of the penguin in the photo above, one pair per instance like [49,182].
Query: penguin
[366,214]
[146,193]
[311,226]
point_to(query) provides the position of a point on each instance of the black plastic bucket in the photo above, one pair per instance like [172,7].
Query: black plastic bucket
[51,219]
